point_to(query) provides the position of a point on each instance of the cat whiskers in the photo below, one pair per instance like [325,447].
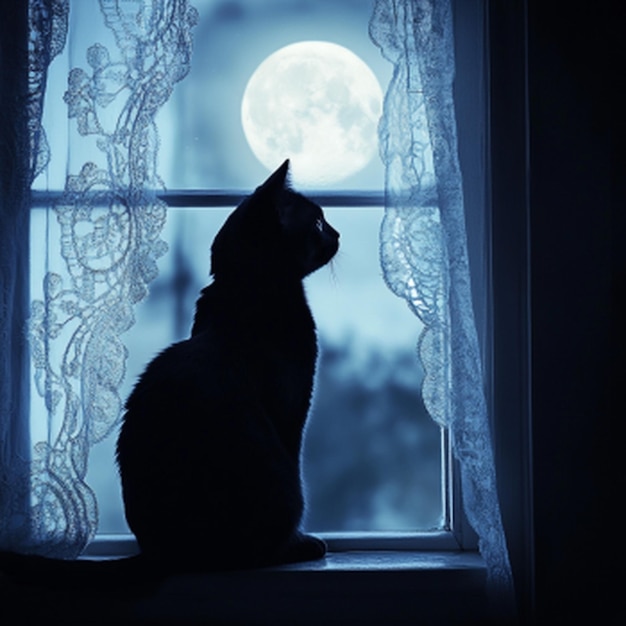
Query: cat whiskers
[333,269]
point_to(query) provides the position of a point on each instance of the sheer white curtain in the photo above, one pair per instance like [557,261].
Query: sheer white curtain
[108,221]
[424,248]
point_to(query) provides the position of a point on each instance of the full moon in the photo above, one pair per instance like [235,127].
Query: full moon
[316,103]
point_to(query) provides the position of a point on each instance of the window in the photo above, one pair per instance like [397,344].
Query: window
[351,201]
[506,378]
[374,461]
[506,319]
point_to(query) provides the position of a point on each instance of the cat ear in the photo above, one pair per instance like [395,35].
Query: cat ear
[278,180]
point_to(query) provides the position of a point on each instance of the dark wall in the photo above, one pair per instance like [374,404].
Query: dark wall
[577,274]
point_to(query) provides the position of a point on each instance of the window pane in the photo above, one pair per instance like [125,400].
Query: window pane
[372,455]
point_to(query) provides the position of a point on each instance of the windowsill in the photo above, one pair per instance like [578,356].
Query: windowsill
[347,587]
[380,579]
[360,586]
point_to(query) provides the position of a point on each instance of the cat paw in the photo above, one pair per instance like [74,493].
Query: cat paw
[304,548]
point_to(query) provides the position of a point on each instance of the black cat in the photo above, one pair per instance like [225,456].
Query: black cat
[209,448]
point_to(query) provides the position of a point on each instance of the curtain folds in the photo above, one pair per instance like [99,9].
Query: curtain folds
[423,248]
[43,25]
[14,188]
[109,221]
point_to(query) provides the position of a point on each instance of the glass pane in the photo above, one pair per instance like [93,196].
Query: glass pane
[372,455]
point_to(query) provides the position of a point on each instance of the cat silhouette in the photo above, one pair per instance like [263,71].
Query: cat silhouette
[209,449]
[210,441]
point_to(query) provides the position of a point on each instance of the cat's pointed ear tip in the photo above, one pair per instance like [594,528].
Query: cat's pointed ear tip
[286,173]
[279,178]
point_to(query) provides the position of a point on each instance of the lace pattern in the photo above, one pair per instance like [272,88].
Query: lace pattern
[424,248]
[47,36]
[110,221]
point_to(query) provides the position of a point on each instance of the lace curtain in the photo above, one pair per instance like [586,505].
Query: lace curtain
[424,248]
[110,221]
[44,25]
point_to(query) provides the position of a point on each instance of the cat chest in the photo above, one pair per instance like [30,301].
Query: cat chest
[289,370]
[283,374]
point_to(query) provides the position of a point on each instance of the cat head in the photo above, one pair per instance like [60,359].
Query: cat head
[274,233]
